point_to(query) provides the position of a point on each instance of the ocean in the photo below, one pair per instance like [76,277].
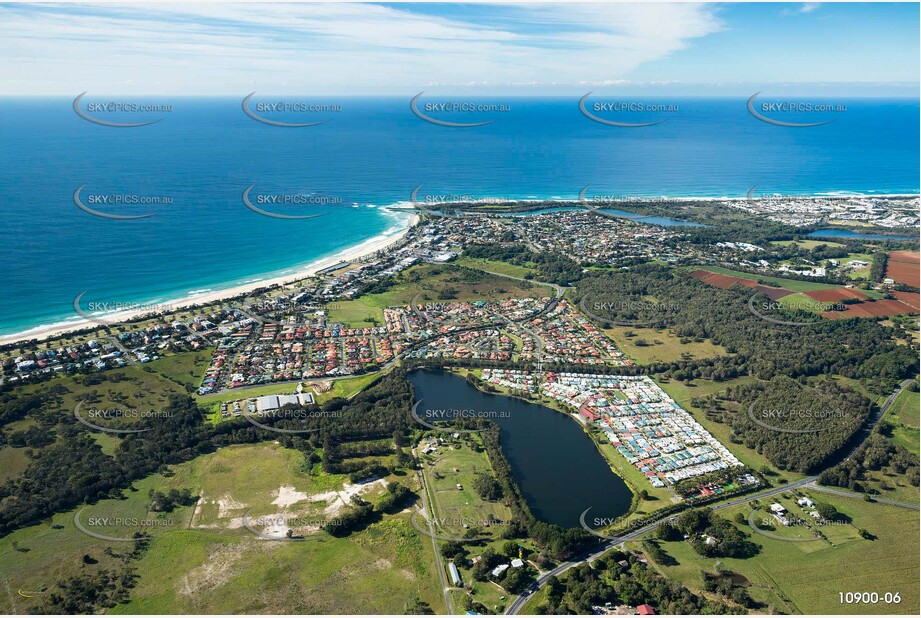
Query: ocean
[201,156]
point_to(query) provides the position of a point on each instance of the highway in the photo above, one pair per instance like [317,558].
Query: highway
[518,603]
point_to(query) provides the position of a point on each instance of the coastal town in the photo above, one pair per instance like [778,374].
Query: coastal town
[284,333]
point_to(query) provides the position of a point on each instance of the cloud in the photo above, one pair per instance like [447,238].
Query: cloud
[809,7]
[333,48]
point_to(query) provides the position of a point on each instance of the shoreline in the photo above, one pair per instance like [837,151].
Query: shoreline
[351,254]
[356,252]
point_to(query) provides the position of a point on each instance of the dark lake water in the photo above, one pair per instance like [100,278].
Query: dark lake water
[555,464]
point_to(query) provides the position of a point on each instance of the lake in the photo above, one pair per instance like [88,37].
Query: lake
[555,464]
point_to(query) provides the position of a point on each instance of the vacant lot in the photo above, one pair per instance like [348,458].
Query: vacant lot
[204,561]
[649,345]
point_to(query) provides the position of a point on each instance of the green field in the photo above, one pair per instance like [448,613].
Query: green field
[806,577]
[662,345]
[903,416]
[204,561]
[428,282]
[788,284]
[805,244]
[187,369]
[138,387]
[503,268]
[458,463]
[13,462]
[800,301]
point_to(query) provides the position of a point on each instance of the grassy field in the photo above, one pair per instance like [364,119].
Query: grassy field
[356,313]
[503,268]
[137,387]
[663,345]
[204,561]
[903,415]
[788,284]
[806,577]
[800,301]
[459,464]
[187,369]
[805,244]
[428,281]
[13,462]
[342,387]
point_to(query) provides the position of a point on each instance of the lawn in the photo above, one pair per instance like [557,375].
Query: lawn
[806,577]
[663,345]
[13,462]
[356,313]
[187,369]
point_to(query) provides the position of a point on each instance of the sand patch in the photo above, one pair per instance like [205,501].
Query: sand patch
[336,501]
[227,504]
[286,496]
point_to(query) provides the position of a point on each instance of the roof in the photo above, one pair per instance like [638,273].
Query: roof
[645,610]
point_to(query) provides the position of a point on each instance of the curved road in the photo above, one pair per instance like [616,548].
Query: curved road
[518,603]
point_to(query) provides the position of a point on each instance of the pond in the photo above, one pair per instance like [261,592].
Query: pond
[556,465]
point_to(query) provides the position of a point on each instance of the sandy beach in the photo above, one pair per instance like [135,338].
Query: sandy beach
[351,254]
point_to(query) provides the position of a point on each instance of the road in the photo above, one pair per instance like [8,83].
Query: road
[446,590]
[518,603]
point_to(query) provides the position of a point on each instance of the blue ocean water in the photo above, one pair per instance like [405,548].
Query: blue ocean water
[205,152]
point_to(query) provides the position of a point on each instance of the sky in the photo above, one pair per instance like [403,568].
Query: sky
[399,49]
